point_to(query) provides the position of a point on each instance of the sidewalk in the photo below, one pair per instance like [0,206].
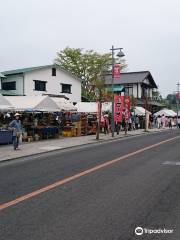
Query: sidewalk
[29,149]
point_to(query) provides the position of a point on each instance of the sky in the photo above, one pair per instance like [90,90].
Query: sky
[32,32]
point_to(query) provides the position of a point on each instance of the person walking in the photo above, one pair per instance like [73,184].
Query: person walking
[178,122]
[163,121]
[16,127]
[159,122]
[137,122]
[106,124]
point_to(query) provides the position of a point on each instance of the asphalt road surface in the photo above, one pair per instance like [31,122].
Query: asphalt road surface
[96,192]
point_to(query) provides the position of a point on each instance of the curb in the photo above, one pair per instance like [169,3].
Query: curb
[84,144]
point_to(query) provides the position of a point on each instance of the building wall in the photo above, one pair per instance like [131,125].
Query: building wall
[53,85]
[19,83]
[135,90]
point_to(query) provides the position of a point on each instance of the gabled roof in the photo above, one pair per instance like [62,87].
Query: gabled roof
[132,77]
[1,75]
[30,69]
[24,70]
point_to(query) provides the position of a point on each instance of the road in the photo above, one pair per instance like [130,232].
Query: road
[96,192]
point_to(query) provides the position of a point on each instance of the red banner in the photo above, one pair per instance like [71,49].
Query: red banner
[116,71]
[118,108]
[178,96]
[127,106]
[122,107]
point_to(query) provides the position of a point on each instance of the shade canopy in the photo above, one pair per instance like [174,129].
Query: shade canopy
[166,112]
[141,111]
[33,103]
[5,105]
[92,107]
[64,104]
[87,107]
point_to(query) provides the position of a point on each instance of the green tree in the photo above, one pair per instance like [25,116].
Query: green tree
[85,65]
[157,95]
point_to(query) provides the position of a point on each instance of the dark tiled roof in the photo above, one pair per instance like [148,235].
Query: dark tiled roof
[132,77]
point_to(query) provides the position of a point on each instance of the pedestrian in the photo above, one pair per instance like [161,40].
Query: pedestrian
[137,122]
[130,123]
[170,122]
[16,127]
[159,122]
[163,121]
[106,124]
[178,122]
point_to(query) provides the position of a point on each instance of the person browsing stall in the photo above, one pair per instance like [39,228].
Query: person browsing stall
[16,127]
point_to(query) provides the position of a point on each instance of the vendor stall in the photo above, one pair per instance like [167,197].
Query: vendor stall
[140,111]
[38,119]
[5,134]
[166,112]
[64,104]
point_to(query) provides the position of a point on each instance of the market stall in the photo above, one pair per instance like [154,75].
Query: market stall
[37,116]
[166,112]
[5,134]
[88,112]
[140,111]
[64,104]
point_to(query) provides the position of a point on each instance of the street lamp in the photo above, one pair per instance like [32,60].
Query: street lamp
[119,54]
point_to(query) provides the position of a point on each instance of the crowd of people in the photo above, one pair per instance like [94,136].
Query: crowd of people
[135,122]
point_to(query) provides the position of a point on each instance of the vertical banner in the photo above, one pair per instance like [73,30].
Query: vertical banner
[116,71]
[118,108]
[178,96]
[127,106]
[122,107]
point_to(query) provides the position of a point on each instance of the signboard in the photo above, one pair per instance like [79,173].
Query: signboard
[116,71]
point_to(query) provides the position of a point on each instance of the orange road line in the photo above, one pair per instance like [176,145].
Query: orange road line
[78,175]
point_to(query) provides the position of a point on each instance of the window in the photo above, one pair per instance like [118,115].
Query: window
[8,85]
[129,90]
[39,85]
[66,88]
[53,71]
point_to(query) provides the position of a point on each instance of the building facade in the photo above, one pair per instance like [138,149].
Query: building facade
[139,85]
[43,80]
[136,84]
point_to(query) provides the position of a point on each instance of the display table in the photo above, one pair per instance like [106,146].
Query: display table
[5,137]
[46,132]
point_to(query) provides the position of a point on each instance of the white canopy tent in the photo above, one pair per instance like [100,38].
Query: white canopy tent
[166,112]
[141,111]
[64,104]
[33,103]
[5,105]
[87,107]
[92,107]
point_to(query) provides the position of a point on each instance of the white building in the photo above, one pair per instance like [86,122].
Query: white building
[136,84]
[43,80]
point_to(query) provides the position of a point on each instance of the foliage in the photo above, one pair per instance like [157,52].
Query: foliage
[86,65]
[157,95]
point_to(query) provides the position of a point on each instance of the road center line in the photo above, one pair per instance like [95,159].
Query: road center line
[78,175]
